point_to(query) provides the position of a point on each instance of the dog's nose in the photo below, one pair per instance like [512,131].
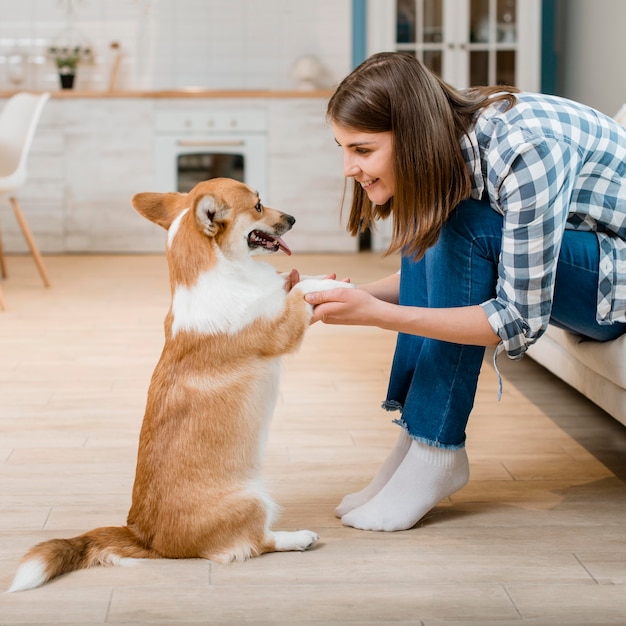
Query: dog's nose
[290,219]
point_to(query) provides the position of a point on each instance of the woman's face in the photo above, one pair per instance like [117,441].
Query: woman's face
[367,157]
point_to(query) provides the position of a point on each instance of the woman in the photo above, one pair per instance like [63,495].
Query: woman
[509,210]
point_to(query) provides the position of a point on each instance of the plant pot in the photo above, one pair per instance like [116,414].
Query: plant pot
[67,81]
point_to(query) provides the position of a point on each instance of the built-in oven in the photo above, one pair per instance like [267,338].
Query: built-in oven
[195,145]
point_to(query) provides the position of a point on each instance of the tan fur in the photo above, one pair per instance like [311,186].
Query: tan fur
[199,447]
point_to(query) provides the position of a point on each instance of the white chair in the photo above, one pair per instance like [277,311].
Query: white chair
[18,121]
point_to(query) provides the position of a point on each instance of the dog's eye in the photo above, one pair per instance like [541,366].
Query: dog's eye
[258,206]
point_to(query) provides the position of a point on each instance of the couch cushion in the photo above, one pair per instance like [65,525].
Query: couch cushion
[608,359]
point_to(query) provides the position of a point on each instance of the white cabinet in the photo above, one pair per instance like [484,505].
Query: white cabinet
[466,42]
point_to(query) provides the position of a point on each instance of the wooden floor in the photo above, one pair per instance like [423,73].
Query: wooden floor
[538,536]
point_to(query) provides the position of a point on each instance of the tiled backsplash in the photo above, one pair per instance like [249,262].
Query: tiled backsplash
[168,44]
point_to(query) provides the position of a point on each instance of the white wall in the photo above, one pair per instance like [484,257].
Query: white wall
[216,44]
[591,66]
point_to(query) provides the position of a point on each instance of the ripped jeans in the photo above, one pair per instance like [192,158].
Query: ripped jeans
[433,383]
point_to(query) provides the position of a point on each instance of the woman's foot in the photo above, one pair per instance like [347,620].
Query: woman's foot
[389,466]
[425,476]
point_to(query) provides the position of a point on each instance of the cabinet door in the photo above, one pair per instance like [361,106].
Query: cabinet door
[466,42]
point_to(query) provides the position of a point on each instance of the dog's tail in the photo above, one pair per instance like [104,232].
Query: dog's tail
[103,546]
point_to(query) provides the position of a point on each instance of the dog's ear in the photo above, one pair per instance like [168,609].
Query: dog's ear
[160,208]
[210,213]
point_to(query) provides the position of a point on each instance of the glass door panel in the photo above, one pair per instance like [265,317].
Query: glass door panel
[506,21]
[480,29]
[433,21]
[420,30]
[479,67]
[505,67]
[433,59]
[406,20]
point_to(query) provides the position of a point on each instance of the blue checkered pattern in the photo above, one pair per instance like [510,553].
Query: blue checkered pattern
[546,165]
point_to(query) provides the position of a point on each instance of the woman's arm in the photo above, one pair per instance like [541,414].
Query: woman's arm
[465,325]
[386,289]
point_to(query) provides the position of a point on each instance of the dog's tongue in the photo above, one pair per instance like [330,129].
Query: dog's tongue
[283,246]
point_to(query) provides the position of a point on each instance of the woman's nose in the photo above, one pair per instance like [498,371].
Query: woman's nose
[350,168]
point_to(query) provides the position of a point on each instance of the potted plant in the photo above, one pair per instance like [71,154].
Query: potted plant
[67,58]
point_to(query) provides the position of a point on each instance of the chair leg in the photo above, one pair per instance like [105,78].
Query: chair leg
[30,241]
[3,274]
[3,267]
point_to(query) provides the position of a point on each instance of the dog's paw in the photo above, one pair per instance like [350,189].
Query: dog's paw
[311,285]
[295,540]
[314,277]
[309,538]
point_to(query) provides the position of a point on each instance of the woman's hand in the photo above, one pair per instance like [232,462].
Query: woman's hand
[345,306]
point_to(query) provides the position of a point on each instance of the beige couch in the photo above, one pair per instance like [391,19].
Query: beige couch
[597,370]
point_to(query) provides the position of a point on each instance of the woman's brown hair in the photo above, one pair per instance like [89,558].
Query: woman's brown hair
[393,91]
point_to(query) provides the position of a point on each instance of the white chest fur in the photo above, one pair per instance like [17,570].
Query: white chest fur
[228,297]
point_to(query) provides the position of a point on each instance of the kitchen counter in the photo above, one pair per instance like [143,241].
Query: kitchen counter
[94,150]
[69,94]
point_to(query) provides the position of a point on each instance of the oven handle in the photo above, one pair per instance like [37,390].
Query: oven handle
[200,143]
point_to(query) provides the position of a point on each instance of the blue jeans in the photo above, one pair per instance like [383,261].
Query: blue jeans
[433,383]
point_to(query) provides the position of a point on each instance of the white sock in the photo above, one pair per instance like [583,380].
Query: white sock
[425,476]
[389,466]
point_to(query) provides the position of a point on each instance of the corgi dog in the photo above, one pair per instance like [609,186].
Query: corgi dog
[197,492]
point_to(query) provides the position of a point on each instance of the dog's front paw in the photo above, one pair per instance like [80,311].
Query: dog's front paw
[311,285]
[309,538]
[313,276]
[294,540]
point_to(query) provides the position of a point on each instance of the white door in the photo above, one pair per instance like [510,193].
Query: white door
[466,42]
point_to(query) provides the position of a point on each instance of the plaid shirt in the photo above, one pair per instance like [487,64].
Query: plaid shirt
[546,165]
